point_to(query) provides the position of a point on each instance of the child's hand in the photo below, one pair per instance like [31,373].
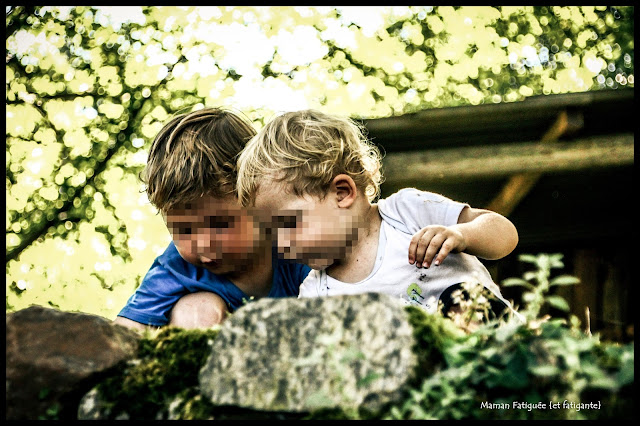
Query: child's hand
[432,240]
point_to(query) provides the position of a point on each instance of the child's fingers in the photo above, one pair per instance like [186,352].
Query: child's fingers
[413,245]
[445,249]
[419,244]
[434,246]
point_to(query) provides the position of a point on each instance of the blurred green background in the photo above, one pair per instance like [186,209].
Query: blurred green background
[87,89]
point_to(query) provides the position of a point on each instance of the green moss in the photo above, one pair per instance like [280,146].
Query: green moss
[191,405]
[166,366]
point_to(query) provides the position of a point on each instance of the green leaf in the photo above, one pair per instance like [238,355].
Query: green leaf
[556,256]
[517,282]
[515,374]
[494,370]
[544,370]
[558,303]
[529,258]
[564,280]
[44,392]
[489,352]
[507,330]
[53,410]
[556,264]
[555,260]
[626,373]
[604,382]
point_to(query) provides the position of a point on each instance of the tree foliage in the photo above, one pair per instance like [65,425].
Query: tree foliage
[87,89]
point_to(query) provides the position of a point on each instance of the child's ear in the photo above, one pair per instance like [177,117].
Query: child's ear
[346,190]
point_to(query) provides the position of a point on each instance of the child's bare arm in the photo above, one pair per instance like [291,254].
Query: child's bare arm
[488,235]
[479,232]
[126,322]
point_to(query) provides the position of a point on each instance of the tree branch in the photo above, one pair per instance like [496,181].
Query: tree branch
[43,226]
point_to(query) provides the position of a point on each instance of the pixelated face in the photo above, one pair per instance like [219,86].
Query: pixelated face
[309,230]
[216,234]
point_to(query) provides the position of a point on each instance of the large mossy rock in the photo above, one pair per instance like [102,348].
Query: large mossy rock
[159,383]
[53,356]
[277,359]
[303,355]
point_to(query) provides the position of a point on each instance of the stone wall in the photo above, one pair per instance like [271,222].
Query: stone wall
[348,356]
[274,355]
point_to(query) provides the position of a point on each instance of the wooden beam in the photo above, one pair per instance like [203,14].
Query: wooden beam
[501,117]
[503,160]
[520,185]
[513,192]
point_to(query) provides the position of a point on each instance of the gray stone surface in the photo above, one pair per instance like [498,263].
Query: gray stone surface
[300,355]
[52,356]
[92,407]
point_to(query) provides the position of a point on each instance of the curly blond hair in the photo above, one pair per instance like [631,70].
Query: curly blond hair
[307,149]
[195,154]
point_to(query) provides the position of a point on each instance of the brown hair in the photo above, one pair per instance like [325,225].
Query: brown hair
[195,154]
[307,149]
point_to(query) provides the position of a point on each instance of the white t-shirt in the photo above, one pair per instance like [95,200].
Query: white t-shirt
[405,213]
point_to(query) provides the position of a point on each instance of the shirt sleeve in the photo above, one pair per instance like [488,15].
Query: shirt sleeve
[287,279]
[152,302]
[417,209]
[310,287]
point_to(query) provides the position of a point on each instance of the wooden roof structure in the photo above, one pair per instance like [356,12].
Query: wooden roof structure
[559,166]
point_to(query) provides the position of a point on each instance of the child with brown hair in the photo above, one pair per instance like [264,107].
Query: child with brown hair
[220,255]
[320,177]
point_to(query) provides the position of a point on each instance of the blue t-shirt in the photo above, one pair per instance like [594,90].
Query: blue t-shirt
[171,277]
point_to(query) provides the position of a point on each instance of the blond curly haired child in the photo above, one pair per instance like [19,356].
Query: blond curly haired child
[320,177]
